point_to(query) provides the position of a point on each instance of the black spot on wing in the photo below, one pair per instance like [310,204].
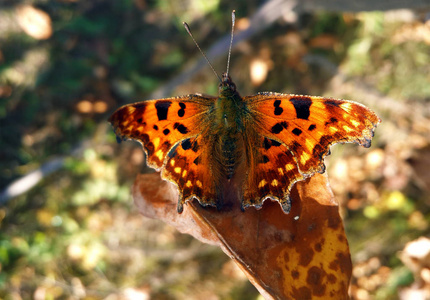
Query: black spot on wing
[302,105]
[162,108]
[278,127]
[181,112]
[181,128]
[166,131]
[278,110]
[275,143]
[197,160]
[268,143]
[312,127]
[186,144]
[155,127]
[332,102]
[296,131]
[195,147]
[331,121]
[265,159]
[140,106]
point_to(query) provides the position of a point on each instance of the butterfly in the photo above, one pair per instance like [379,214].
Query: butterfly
[264,143]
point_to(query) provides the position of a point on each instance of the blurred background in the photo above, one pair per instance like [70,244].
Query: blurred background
[69,229]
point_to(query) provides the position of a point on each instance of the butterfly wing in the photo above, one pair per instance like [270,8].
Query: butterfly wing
[294,133]
[272,171]
[171,132]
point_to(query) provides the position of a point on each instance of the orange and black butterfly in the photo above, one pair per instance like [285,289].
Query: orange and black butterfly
[200,142]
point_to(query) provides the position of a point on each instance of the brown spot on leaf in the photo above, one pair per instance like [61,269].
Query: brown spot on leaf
[286,257]
[343,261]
[318,247]
[306,256]
[334,265]
[331,278]
[315,279]
[302,293]
[334,223]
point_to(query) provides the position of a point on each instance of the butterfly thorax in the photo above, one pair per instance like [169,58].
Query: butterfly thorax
[229,104]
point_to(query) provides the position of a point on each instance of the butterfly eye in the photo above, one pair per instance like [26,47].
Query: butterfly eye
[227,85]
[232,86]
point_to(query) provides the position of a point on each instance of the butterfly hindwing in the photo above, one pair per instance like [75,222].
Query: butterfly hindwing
[188,165]
[272,173]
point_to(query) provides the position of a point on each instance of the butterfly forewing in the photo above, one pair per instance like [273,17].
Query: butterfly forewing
[160,124]
[308,125]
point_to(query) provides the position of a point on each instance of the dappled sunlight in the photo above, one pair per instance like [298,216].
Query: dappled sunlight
[69,227]
[35,22]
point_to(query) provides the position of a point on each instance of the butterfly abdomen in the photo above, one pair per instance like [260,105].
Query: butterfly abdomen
[229,150]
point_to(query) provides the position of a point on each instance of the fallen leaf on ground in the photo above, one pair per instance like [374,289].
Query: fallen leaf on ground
[302,255]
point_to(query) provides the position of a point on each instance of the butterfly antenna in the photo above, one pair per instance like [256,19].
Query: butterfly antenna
[187,28]
[233,19]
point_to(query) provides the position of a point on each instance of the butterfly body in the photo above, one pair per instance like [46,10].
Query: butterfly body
[263,143]
[229,109]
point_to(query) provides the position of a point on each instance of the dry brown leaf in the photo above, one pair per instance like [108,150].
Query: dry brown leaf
[302,255]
